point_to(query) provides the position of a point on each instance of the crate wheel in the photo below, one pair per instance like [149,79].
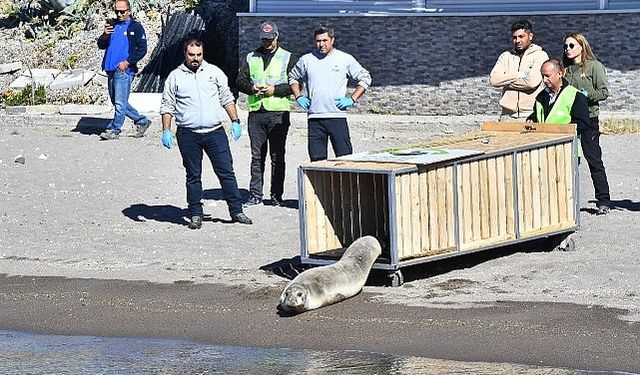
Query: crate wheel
[396,278]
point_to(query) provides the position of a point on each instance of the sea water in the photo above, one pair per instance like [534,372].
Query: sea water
[25,353]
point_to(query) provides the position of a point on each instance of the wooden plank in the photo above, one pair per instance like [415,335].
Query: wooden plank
[509,184]
[416,245]
[350,166]
[424,210]
[552,176]
[492,181]
[544,187]
[329,204]
[501,198]
[562,184]
[568,158]
[433,209]
[441,185]
[464,180]
[346,208]
[451,232]
[476,217]
[528,127]
[484,198]
[355,208]
[520,188]
[535,189]
[320,218]
[310,213]
[405,181]
[379,218]
[398,215]
[367,203]
[527,217]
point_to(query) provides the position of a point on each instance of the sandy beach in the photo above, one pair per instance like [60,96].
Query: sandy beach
[93,240]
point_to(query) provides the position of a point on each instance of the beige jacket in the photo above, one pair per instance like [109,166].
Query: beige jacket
[520,79]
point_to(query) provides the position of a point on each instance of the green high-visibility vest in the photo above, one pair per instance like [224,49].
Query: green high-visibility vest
[561,110]
[275,74]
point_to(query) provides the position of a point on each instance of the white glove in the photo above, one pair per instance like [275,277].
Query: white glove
[585,92]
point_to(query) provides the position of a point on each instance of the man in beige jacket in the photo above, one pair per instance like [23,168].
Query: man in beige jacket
[517,71]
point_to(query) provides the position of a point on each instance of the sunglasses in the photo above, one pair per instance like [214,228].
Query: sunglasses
[121,11]
[569,46]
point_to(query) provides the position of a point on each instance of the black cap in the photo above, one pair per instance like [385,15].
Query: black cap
[268,30]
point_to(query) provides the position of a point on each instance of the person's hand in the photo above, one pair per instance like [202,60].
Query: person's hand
[167,138]
[303,102]
[108,28]
[523,75]
[236,130]
[585,92]
[344,102]
[123,65]
[268,90]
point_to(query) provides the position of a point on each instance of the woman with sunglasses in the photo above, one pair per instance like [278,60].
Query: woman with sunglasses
[588,75]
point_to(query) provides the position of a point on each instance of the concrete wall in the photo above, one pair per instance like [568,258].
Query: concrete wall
[440,65]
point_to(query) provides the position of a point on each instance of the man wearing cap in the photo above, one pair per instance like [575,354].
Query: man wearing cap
[325,72]
[263,77]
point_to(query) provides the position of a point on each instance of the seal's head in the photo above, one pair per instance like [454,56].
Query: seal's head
[294,298]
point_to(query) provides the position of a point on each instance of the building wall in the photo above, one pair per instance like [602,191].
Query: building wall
[440,65]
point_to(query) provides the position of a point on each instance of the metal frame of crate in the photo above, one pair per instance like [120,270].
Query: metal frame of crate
[513,192]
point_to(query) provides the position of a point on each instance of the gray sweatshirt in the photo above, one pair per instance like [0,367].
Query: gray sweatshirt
[325,78]
[197,99]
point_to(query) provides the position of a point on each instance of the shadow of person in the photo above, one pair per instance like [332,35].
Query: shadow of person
[91,125]
[162,213]
[625,204]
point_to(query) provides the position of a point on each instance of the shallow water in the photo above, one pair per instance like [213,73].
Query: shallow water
[25,353]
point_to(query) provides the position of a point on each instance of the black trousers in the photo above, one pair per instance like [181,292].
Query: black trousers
[592,152]
[268,131]
[334,129]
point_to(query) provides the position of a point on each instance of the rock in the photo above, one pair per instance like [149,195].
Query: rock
[19,159]
[43,157]
[41,77]
[61,4]
[44,109]
[101,79]
[147,103]
[10,67]
[76,77]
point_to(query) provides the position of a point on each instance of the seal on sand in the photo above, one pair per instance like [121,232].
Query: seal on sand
[320,286]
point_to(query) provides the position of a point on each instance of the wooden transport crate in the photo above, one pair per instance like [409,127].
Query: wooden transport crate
[521,184]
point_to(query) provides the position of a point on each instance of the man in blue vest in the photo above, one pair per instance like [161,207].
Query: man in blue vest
[263,76]
[125,43]
[561,103]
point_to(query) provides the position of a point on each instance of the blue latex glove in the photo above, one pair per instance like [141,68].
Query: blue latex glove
[236,130]
[344,102]
[303,102]
[585,92]
[167,138]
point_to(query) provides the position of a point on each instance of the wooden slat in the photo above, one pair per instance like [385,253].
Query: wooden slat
[355,208]
[398,216]
[562,184]
[406,215]
[544,187]
[492,180]
[310,213]
[346,208]
[367,203]
[476,217]
[424,211]
[568,158]
[552,169]
[416,245]
[451,239]
[464,180]
[433,209]
[320,218]
[527,218]
[535,189]
[441,186]
[484,198]
[328,202]
[528,127]
[500,197]
[508,189]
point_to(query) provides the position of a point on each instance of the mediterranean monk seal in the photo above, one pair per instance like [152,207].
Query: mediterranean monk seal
[320,286]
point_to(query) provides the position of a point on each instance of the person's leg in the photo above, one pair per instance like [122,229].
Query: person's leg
[190,145]
[120,85]
[339,135]
[137,118]
[593,154]
[277,135]
[317,135]
[217,148]
[257,126]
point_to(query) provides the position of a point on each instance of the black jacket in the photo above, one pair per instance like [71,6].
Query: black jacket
[579,109]
[137,44]
[244,82]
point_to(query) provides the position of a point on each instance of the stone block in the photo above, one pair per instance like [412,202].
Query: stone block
[41,77]
[44,109]
[10,67]
[84,109]
[147,103]
[74,78]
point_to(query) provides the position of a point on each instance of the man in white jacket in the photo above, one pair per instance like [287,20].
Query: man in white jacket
[517,72]
[197,94]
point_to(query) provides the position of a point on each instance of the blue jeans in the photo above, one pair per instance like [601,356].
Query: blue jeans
[119,84]
[216,145]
